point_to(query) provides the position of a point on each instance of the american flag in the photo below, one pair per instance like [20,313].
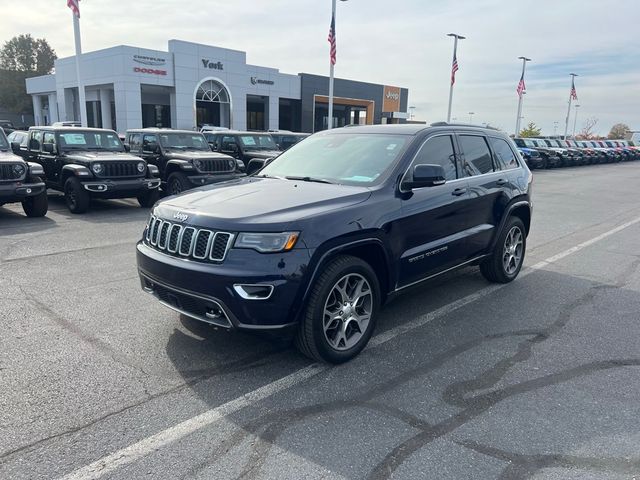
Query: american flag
[332,40]
[74,6]
[573,93]
[454,69]
[521,86]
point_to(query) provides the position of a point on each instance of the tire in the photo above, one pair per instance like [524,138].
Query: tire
[149,198]
[38,205]
[76,196]
[340,341]
[177,183]
[493,268]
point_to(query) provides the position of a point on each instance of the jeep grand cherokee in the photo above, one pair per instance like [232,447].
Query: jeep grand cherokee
[323,235]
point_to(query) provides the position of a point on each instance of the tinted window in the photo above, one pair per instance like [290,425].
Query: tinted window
[438,151]
[34,142]
[146,140]
[505,157]
[477,157]
[135,142]
[226,141]
[49,137]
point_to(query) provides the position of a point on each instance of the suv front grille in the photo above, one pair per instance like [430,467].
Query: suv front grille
[120,169]
[217,165]
[187,242]
[8,173]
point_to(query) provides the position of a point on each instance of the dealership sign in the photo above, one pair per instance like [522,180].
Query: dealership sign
[151,71]
[391,99]
[212,65]
[259,81]
[151,61]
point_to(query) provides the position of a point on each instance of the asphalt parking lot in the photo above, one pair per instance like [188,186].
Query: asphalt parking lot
[464,379]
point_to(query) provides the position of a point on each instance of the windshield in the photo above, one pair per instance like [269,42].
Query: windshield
[88,140]
[553,143]
[529,143]
[538,143]
[184,141]
[4,144]
[349,159]
[257,142]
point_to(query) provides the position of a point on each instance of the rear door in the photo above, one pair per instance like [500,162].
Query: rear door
[489,189]
[432,226]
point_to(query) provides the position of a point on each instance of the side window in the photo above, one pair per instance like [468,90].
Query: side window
[146,140]
[477,157]
[505,158]
[49,137]
[227,141]
[135,142]
[35,140]
[438,151]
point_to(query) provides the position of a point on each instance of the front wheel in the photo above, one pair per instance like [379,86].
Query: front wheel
[507,257]
[340,316]
[149,198]
[76,196]
[177,183]
[38,205]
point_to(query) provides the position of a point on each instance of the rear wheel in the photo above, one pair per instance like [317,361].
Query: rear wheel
[177,183]
[340,316]
[505,262]
[149,198]
[38,205]
[76,196]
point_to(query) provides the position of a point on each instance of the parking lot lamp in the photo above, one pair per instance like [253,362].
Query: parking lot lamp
[471,114]
[454,69]
[332,60]
[575,120]
[521,90]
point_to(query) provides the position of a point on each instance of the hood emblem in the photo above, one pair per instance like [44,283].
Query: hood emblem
[181,217]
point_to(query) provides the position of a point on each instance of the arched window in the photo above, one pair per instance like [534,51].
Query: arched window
[212,91]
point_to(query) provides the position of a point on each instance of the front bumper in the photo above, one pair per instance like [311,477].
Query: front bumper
[18,191]
[109,188]
[205,291]
[209,178]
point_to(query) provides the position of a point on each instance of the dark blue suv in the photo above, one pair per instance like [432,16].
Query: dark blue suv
[323,235]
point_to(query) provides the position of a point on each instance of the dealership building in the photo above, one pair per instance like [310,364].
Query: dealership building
[191,85]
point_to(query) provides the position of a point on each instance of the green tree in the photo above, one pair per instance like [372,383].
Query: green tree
[532,130]
[618,131]
[20,58]
[27,54]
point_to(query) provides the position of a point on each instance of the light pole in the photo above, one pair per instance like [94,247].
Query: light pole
[521,90]
[331,63]
[571,93]
[454,68]
[411,109]
[555,129]
[471,114]
[575,120]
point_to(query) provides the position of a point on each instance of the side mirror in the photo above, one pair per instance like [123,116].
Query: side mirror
[426,176]
[255,164]
[48,148]
[15,147]
[127,147]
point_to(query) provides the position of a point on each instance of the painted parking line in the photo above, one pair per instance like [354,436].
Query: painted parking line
[140,449]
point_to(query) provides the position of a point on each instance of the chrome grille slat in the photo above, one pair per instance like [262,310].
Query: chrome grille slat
[120,169]
[182,241]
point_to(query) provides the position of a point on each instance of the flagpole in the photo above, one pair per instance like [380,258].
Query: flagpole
[82,107]
[455,49]
[524,64]
[566,121]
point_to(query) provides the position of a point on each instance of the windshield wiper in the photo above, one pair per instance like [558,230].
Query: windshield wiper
[309,179]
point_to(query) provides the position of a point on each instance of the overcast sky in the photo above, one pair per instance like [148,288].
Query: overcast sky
[401,42]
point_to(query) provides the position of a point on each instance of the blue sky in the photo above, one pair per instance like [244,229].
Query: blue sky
[399,43]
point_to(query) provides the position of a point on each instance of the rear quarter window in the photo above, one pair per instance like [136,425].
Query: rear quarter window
[506,158]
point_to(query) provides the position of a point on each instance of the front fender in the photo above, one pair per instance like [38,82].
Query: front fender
[79,171]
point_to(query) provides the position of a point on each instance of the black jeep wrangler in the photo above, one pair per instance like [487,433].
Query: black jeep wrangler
[322,236]
[183,157]
[20,181]
[243,146]
[91,162]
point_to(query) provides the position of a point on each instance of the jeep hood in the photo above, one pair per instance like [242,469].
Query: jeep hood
[259,204]
[194,155]
[8,156]
[262,153]
[101,156]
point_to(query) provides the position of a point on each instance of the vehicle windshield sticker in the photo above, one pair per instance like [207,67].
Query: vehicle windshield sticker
[74,138]
[392,146]
[248,141]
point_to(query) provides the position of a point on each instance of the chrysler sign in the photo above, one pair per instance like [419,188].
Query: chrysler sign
[151,61]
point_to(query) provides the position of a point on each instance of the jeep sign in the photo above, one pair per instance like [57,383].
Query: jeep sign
[391,99]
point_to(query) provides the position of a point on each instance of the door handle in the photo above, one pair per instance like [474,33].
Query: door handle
[459,191]
[501,181]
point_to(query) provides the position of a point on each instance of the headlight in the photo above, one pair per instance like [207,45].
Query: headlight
[141,167]
[19,169]
[97,168]
[197,164]
[267,242]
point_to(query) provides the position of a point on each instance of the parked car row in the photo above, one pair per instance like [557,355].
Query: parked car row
[551,152]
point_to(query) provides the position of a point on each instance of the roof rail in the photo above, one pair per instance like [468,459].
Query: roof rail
[448,124]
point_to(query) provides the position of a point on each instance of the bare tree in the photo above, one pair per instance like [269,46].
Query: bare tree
[587,132]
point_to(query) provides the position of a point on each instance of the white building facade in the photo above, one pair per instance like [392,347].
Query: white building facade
[185,87]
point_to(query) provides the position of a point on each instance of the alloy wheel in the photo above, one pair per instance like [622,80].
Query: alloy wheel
[512,252]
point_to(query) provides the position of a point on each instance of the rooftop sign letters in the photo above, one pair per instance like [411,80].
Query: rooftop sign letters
[391,99]
[259,81]
[151,61]
[212,65]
